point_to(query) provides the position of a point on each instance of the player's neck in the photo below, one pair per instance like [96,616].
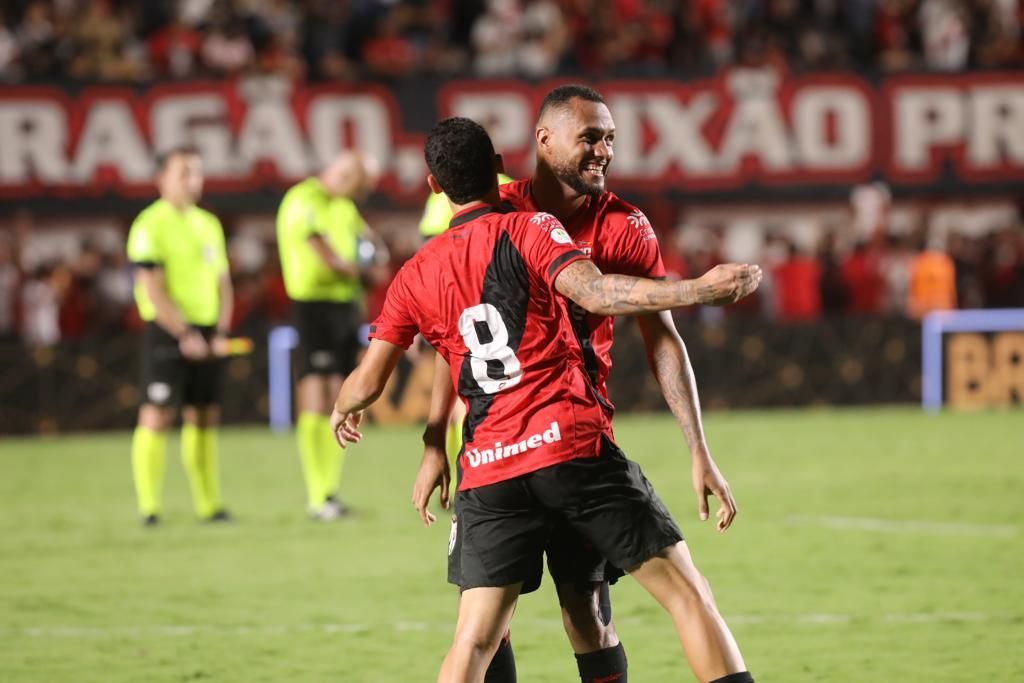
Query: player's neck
[490,199]
[553,196]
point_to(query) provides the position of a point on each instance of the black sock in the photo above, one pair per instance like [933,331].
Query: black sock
[607,665]
[502,668]
[740,677]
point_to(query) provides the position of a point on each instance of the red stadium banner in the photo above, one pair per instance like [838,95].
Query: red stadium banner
[738,133]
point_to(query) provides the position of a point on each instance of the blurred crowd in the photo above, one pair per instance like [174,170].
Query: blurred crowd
[886,274]
[122,40]
[86,291]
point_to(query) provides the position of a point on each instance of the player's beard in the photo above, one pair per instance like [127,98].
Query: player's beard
[570,172]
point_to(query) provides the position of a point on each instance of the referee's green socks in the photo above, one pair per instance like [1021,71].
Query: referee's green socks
[200,458]
[453,446]
[149,453]
[321,457]
[332,459]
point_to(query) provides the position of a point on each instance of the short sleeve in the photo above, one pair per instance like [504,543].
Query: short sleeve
[633,248]
[143,246]
[396,324]
[547,247]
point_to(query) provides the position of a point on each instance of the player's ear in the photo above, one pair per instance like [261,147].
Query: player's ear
[499,164]
[542,135]
[435,186]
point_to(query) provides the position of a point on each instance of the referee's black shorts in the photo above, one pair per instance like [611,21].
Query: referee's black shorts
[503,529]
[328,336]
[168,378]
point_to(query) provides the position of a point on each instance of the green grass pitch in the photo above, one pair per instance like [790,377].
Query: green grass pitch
[871,546]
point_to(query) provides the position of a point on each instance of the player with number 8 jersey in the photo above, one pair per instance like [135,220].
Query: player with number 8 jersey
[487,294]
[498,322]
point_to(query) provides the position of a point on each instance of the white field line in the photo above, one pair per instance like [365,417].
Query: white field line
[186,630]
[907,526]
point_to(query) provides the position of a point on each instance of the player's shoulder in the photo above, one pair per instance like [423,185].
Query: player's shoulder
[532,223]
[617,214]
[616,208]
[531,219]
[515,191]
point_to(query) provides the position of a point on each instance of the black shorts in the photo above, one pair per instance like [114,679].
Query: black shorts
[328,336]
[168,378]
[615,517]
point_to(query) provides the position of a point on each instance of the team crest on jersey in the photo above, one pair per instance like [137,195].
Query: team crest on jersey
[637,220]
[545,221]
[208,253]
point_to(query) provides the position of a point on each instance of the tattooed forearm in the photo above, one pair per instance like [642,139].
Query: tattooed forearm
[621,294]
[582,282]
[666,354]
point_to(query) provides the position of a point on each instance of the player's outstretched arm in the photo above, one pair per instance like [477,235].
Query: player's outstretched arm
[602,294]
[668,360]
[434,470]
[361,389]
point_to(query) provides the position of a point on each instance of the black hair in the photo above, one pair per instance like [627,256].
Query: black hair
[460,156]
[164,157]
[563,94]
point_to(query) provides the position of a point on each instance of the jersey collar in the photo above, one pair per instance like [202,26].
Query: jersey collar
[467,215]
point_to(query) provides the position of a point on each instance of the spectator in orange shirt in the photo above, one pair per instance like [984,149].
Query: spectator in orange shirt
[932,283]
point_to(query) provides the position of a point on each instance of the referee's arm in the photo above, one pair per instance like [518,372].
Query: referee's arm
[168,315]
[227,304]
[330,257]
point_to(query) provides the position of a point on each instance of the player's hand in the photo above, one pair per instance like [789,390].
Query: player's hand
[346,427]
[727,283]
[193,346]
[434,473]
[707,480]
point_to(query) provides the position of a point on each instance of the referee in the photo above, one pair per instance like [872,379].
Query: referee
[324,244]
[183,292]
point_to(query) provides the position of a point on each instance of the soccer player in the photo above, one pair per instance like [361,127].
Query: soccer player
[486,295]
[575,136]
[183,292]
[437,213]
[319,235]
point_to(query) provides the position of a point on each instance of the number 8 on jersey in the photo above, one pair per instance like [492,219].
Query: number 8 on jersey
[494,364]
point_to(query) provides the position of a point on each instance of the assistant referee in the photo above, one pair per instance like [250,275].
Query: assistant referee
[325,248]
[183,292]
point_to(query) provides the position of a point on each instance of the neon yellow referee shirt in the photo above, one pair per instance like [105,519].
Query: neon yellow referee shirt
[189,246]
[437,214]
[307,209]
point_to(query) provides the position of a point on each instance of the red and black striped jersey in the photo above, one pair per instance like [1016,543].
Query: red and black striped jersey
[482,294]
[619,239]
